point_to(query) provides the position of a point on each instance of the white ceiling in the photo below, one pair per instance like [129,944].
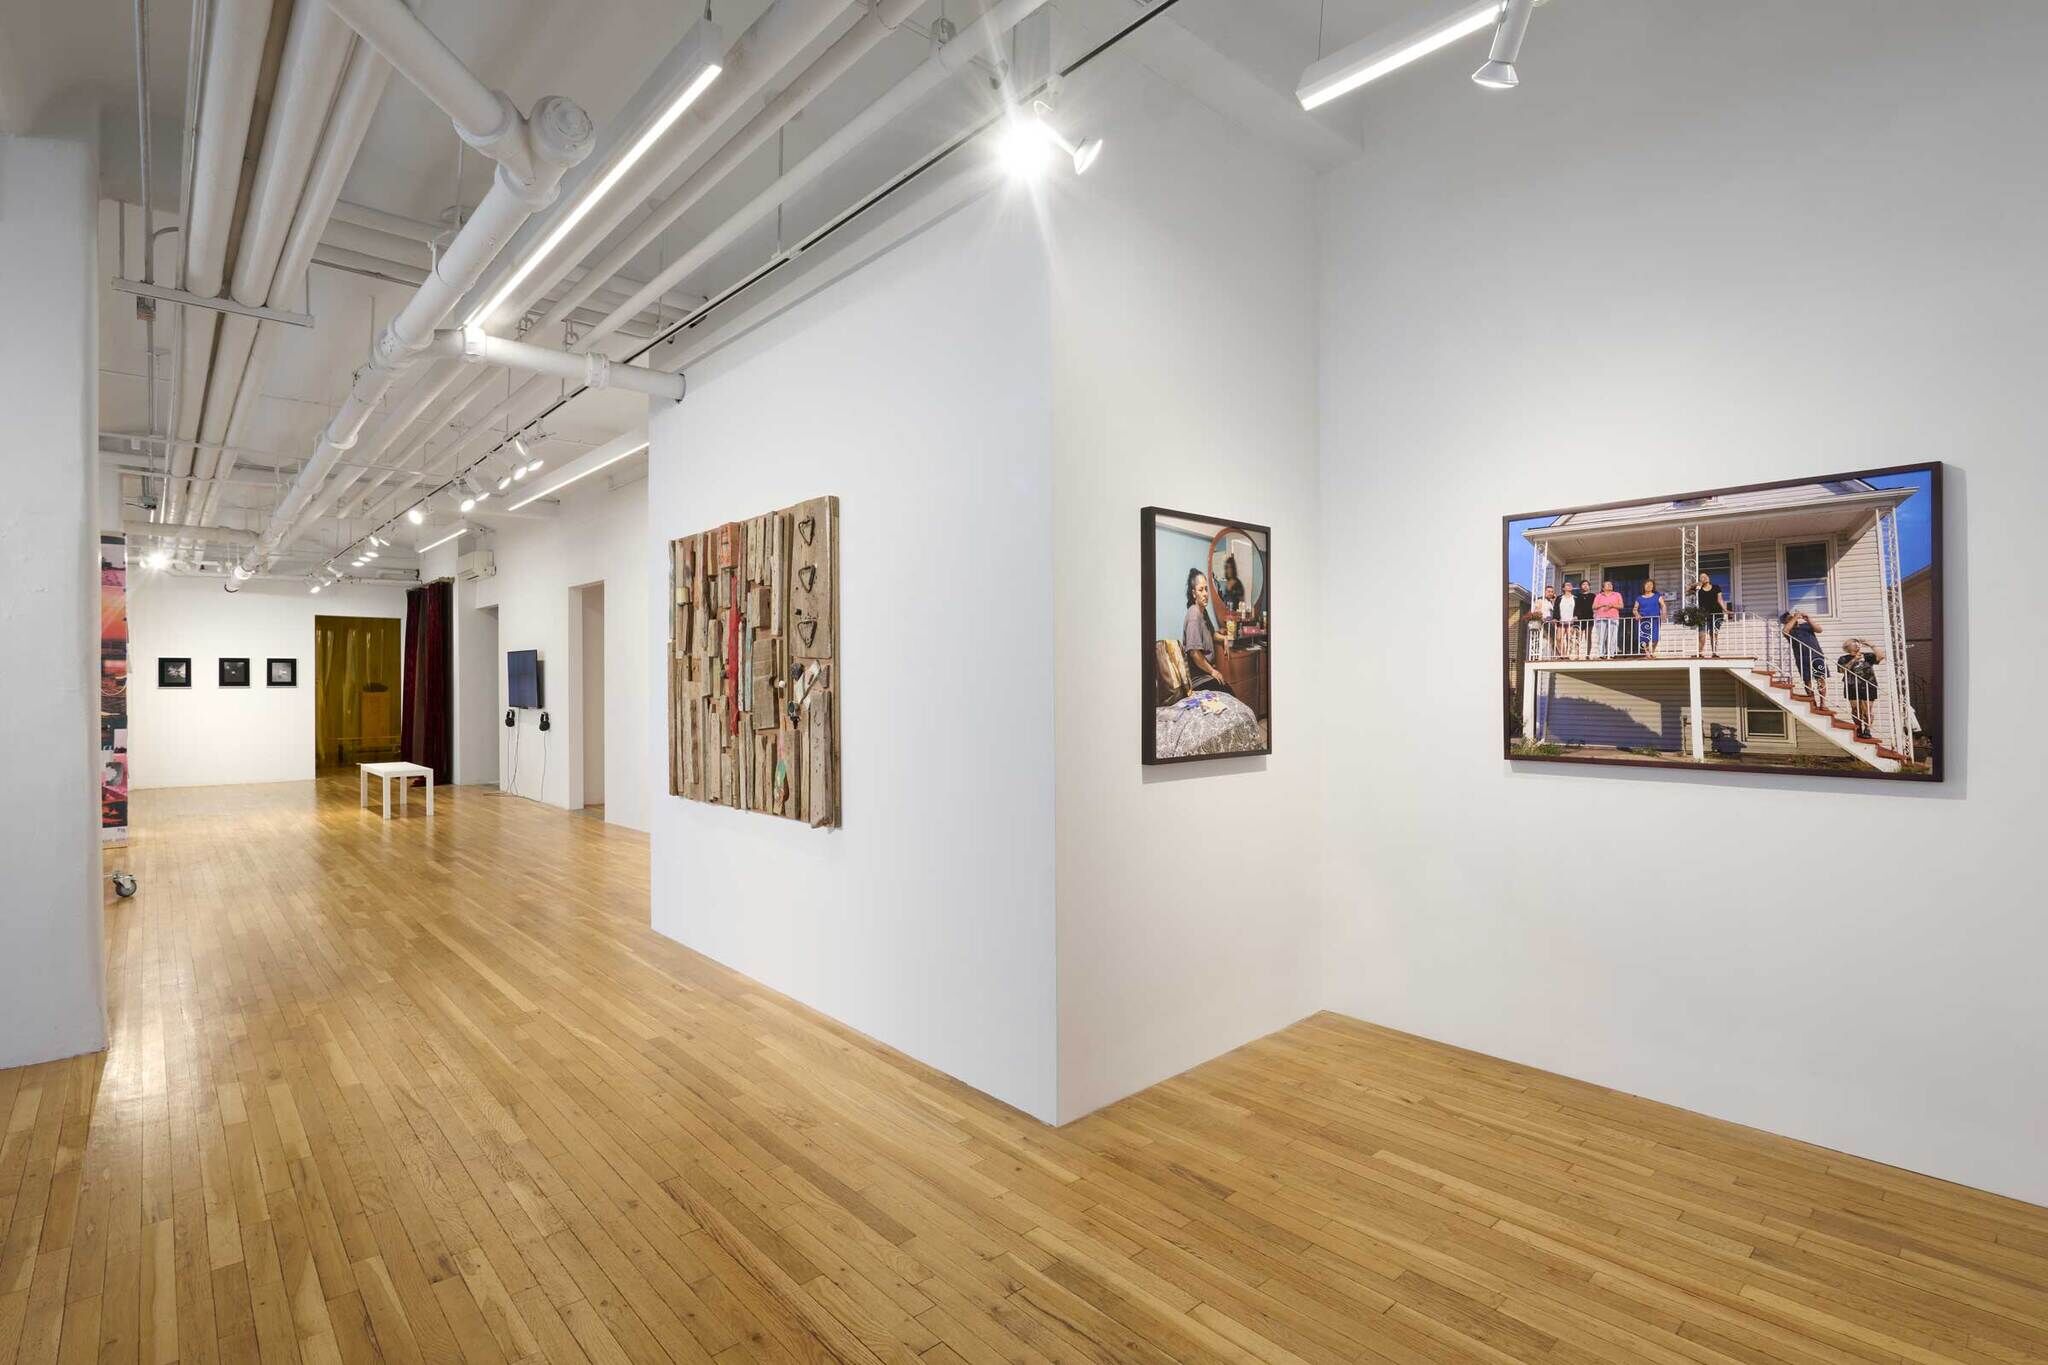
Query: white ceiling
[61,62]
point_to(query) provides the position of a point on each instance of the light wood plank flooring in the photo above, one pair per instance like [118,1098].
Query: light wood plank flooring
[432,1093]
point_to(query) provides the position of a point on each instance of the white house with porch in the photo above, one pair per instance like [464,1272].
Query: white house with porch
[1828,549]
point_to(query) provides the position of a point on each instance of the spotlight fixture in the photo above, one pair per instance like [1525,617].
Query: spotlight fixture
[519,449]
[505,481]
[518,473]
[699,67]
[1029,142]
[242,574]
[1498,73]
[1381,53]
[369,554]
[158,560]
[415,516]
[314,589]
[604,456]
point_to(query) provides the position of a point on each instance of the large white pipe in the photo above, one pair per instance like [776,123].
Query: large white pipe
[233,64]
[361,90]
[315,51]
[477,347]
[396,224]
[834,62]
[983,35]
[532,158]
[770,44]
[483,117]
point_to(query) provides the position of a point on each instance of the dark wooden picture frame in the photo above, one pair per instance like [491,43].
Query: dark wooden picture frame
[1901,707]
[1150,683]
[234,672]
[174,672]
[290,673]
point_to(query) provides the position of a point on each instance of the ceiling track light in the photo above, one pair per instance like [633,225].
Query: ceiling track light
[1382,53]
[1030,139]
[415,515]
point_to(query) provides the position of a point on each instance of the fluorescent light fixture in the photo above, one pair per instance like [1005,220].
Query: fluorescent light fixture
[1370,58]
[708,48]
[610,453]
[415,516]
[458,531]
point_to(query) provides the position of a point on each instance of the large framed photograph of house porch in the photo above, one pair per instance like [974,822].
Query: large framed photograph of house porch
[1790,627]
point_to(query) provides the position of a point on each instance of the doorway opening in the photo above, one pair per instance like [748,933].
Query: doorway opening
[590,625]
[355,691]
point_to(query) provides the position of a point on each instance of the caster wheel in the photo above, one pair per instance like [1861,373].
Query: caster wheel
[124,885]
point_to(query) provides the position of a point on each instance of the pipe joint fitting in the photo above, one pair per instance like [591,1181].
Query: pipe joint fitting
[560,131]
[493,142]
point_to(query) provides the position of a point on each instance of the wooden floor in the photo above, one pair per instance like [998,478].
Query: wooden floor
[432,1092]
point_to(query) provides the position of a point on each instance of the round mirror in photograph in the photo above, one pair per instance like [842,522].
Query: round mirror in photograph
[1237,573]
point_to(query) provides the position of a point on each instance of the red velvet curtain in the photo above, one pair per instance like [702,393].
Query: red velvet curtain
[425,728]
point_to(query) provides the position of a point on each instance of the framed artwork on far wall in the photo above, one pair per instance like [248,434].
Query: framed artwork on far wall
[1205,667]
[173,672]
[1784,627]
[234,672]
[281,673]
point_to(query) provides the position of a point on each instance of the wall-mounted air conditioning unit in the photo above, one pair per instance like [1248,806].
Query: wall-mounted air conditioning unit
[476,564]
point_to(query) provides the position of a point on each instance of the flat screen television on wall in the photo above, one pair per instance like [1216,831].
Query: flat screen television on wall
[522,678]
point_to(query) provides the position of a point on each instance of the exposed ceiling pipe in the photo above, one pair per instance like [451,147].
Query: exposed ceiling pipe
[211,535]
[477,347]
[532,155]
[361,90]
[778,38]
[233,65]
[834,62]
[396,224]
[316,49]
[984,35]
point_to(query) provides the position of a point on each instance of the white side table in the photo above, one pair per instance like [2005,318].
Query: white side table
[384,772]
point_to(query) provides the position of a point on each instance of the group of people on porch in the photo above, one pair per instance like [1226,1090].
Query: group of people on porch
[1580,621]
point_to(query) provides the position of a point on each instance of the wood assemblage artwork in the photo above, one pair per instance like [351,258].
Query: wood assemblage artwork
[753,664]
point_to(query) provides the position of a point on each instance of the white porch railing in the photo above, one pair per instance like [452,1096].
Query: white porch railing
[1734,636]
[1739,637]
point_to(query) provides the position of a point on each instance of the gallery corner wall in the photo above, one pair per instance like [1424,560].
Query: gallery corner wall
[52,980]
[1184,343]
[1801,239]
[180,737]
[917,392]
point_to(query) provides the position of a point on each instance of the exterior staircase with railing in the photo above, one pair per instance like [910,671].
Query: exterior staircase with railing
[1777,672]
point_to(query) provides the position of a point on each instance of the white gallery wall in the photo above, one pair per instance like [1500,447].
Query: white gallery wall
[597,536]
[1702,245]
[1184,343]
[52,978]
[917,392]
[207,735]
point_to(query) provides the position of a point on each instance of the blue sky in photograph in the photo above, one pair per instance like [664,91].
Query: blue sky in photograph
[1916,527]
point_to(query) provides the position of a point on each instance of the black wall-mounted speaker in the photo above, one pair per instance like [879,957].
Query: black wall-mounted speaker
[545,723]
[508,718]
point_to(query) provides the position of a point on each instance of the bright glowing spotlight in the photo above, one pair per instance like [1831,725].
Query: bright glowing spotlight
[468,504]
[314,589]
[504,483]
[1025,150]
[709,46]
[158,560]
[517,474]
[415,516]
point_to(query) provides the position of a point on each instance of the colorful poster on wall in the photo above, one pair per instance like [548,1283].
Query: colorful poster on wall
[113,689]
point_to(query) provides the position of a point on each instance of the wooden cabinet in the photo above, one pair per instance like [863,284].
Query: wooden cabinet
[1247,673]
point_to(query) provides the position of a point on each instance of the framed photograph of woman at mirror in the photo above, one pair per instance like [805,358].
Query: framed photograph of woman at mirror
[1206,644]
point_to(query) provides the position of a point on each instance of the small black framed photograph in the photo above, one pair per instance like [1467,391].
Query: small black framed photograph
[234,672]
[281,673]
[174,672]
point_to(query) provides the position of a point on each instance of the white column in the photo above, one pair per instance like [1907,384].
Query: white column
[52,983]
[1699,717]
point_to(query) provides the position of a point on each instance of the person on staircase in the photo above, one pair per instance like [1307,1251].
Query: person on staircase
[1858,667]
[1807,659]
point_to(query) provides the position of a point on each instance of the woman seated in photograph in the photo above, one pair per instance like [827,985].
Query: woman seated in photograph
[1198,638]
